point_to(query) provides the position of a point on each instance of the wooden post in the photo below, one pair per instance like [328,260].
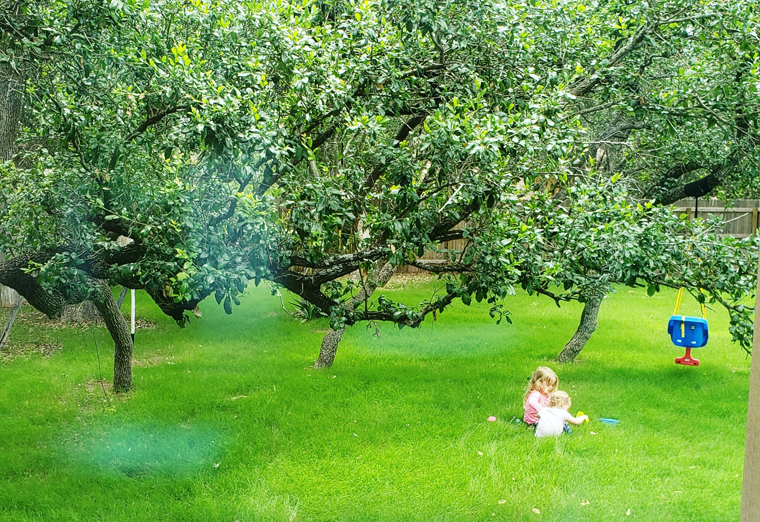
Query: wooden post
[751,483]
[9,322]
[8,296]
[754,220]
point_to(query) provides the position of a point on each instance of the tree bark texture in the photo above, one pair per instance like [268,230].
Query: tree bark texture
[119,330]
[11,107]
[586,327]
[330,342]
[329,348]
[6,333]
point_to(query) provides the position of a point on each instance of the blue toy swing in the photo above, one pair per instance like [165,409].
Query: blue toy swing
[689,332]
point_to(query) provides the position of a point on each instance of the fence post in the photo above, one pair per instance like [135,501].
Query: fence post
[8,296]
[754,220]
[750,508]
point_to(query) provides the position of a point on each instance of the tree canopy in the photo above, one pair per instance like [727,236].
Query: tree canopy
[300,142]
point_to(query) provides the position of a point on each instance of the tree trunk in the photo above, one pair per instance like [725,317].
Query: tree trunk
[119,330]
[329,348]
[586,327]
[11,108]
[6,333]
[332,339]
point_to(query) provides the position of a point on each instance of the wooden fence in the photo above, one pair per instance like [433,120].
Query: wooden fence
[739,220]
[434,257]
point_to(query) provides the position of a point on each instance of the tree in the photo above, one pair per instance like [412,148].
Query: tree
[28,45]
[601,236]
[302,143]
[674,108]
[255,146]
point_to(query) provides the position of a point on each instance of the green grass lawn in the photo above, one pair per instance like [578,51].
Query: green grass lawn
[227,420]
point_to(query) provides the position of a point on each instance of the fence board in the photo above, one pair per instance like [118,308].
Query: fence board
[739,220]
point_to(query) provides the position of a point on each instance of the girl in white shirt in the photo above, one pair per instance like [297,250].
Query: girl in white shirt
[551,420]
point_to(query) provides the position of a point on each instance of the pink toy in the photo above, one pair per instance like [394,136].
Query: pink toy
[491,419]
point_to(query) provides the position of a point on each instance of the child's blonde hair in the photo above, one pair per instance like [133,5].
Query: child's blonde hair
[559,399]
[543,379]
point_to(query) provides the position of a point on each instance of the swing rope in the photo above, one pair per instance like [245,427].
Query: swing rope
[678,303]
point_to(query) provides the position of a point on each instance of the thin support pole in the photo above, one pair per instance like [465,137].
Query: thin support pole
[133,316]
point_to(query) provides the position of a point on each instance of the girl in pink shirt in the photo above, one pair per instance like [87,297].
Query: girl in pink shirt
[542,383]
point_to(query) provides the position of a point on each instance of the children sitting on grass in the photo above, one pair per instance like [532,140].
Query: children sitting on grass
[542,383]
[553,420]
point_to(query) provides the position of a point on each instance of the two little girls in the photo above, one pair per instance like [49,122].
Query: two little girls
[546,408]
